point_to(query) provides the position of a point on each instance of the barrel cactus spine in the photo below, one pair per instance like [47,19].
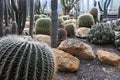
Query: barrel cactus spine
[24,60]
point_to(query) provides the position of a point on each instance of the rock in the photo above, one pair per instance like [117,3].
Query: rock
[77,48]
[65,61]
[108,58]
[43,38]
[82,32]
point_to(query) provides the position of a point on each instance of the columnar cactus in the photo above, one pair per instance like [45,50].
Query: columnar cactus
[117,41]
[85,20]
[101,34]
[119,12]
[21,59]
[42,26]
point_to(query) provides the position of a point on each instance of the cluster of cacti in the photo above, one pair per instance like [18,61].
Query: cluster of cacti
[21,59]
[94,12]
[104,9]
[70,29]
[117,41]
[60,22]
[42,26]
[101,34]
[61,35]
[118,22]
[85,20]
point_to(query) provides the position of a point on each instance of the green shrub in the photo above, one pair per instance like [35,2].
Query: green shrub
[101,34]
[85,20]
[21,59]
[42,26]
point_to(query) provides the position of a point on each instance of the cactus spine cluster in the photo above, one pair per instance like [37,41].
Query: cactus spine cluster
[21,59]
[85,20]
[42,26]
[101,34]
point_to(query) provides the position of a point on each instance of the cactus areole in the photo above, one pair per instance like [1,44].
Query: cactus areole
[21,59]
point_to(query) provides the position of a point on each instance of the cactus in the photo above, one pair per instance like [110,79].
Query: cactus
[21,59]
[119,12]
[60,22]
[70,29]
[7,30]
[85,20]
[118,22]
[61,35]
[37,17]
[94,13]
[105,7]
[65,17]
[117,41]
[43,16]
[42,26]
[14,27]
[101,34]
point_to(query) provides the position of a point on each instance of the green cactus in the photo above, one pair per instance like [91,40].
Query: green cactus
[43,16]
[42,26]
[94,12]
[118,22]
[37,17]
[104,9]
[119,12]
[70,29]
[14,27]
[65,17]
[117,41]
[7,30]
[85,20]
[61,35]
[60,22]
[101,34]
[21,59]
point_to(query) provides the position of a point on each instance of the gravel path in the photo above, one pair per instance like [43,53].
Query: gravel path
[93,69]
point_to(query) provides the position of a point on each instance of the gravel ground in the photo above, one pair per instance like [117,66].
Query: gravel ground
[93,69]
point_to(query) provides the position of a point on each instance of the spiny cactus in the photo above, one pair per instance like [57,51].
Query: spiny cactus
[60,22]
[101,34]
[21,59]
[61,35]
[94,12]
[42,26]
[118,22]
[70,29]
[117,41]
[85,20]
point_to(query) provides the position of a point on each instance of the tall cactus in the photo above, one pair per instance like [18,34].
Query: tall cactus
[20,11]
[119,12]
[21,59]
[104,9]
[1,17]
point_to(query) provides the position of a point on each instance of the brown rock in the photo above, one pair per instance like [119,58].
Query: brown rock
[65,61]
[82,32]
[77,48]
[43,38]
[108,58]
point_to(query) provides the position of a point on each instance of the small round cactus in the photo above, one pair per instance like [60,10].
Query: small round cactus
[118,22]
[65,17]
[101,34]
[21,59]
[117,41]
[60,22]
[94,13]
[70,29]
[85,20]
[42,26]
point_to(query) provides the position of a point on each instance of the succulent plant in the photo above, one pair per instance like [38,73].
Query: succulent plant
[42,26]
[61,35]
[65,17]
[21,59]
[43,16]
[117,41]
[118,22]
[70,29]
[118,12]
[85,20]
[94,13]
[60,22]
[7,30]
[37,17]
[14,27]
[101,34]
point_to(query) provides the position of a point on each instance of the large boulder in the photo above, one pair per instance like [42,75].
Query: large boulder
[108,58]
[65,61]
[43,38]
[77,48]
[82,32]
